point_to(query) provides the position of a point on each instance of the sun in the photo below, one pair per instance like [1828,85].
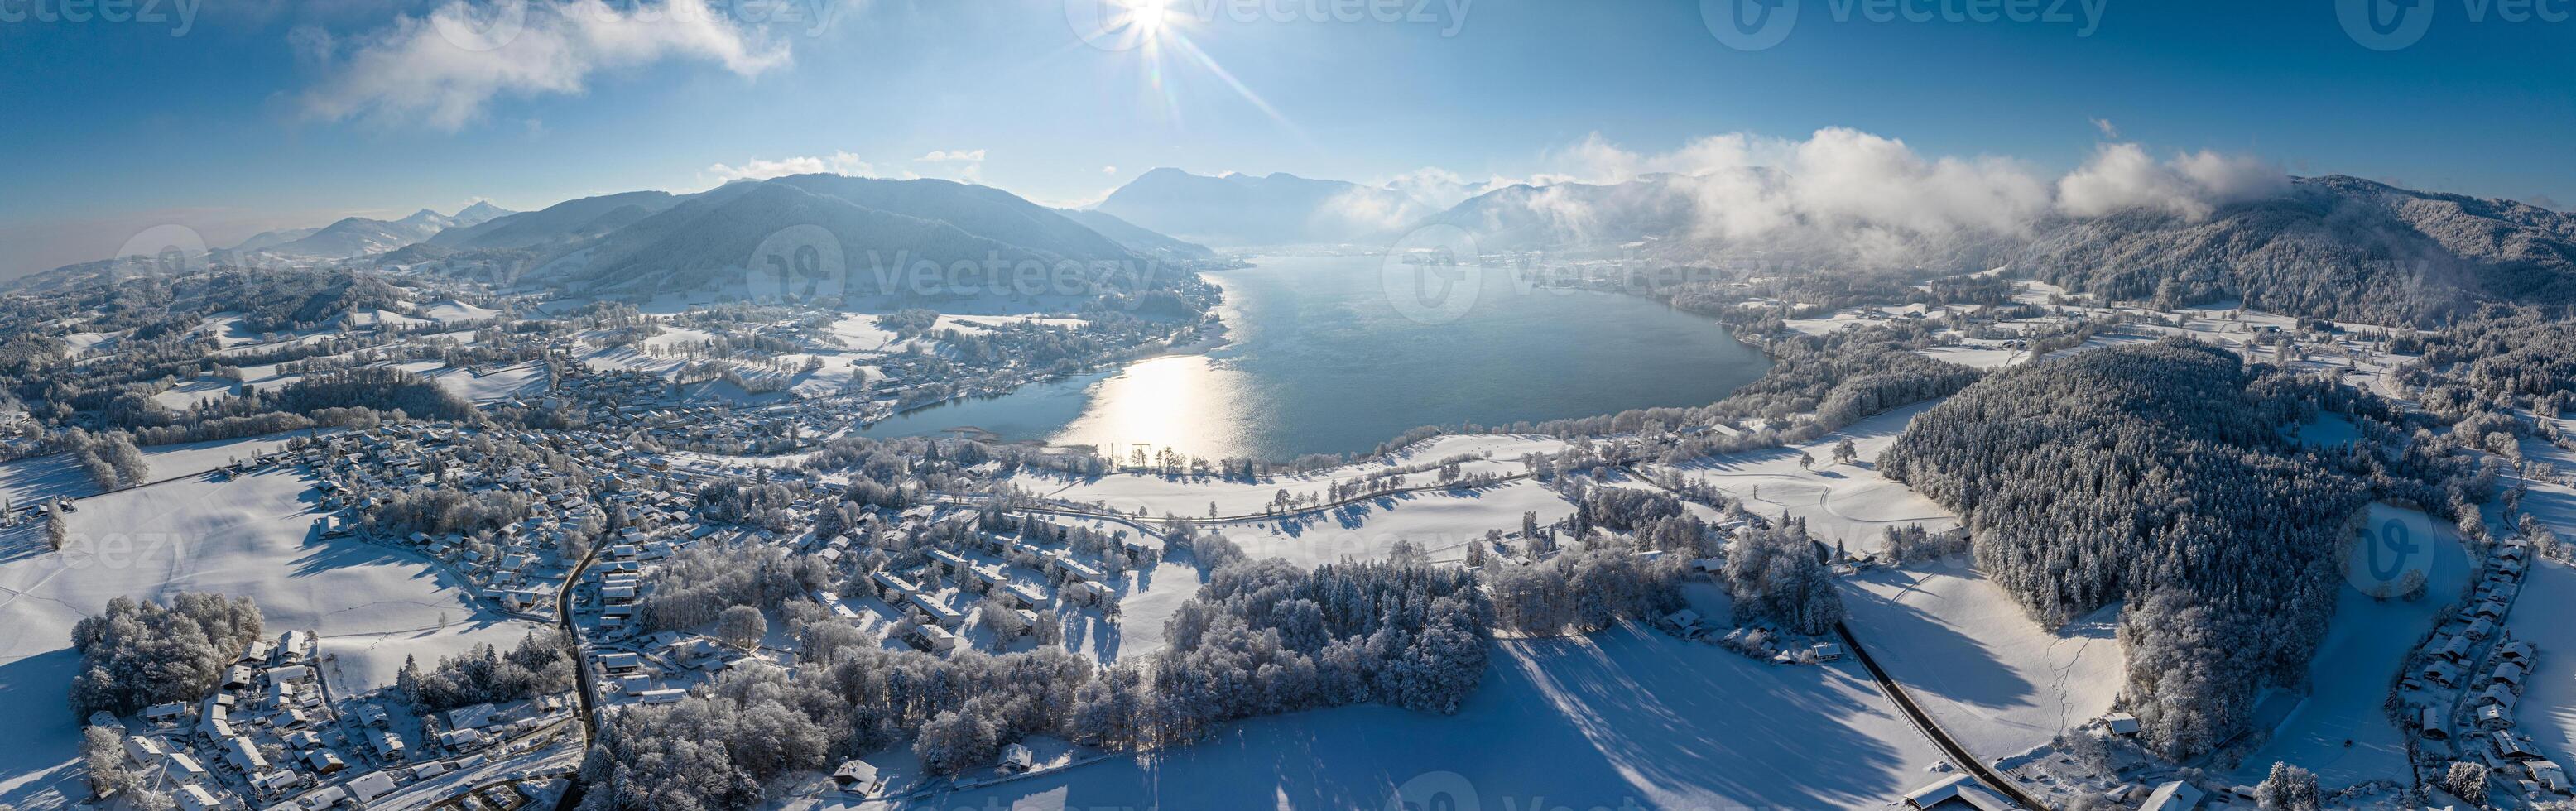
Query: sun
[1149,16]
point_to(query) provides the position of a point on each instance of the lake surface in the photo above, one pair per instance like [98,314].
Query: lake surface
[1338,354]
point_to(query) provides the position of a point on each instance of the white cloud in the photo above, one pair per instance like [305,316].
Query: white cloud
[954,156]
[1109,170]
[1843,192]
[443,70]
[839,163]
[2108,130]
[2122,177]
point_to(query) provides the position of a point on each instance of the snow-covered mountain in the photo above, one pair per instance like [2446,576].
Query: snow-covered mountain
[585,217]
[361,236]
[1137,238]
[2334,246]
[709,237]
[1244,210]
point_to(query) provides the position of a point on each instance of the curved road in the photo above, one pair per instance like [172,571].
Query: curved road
[1923,721]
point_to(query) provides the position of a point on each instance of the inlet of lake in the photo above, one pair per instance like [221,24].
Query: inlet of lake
[1336,354]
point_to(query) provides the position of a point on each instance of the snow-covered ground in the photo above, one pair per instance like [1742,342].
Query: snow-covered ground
[1625,716]
[1850,503]
[252,535]
[1996,680]
[1441,522]
[1190,497]
[27,480]
[2342,731]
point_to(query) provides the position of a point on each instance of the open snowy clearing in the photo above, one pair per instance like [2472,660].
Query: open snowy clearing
[2358,660]
[27,480]
[1627,715]
[1850,503]
[1996,680]
[1442,522]
[1190,496]
[248,536]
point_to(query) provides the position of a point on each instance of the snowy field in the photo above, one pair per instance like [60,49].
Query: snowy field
[1441,522]
[27,480]
[1625,716]
[1850,503]
[249,536]
[2365,646]
[1998,681]
[1189,497]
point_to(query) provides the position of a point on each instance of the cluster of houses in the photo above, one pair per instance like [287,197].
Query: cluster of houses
[2464,683]
[1025,601]
[264,734]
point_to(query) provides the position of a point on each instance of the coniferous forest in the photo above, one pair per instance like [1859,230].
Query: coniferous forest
[2153,475]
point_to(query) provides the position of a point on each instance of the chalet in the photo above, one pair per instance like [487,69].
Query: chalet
[621,662]
[2173,796]
[1028,595]
[858,777]
[2120,723]
[2511,673]
[193,797]
[464,739]
[2449,647]
[165,713]
[2480,628]
[1957,791]
[143,751]
[371,786]
[938,612]
[2493,717]
[273,782]
[2443,673]
[1016,759]
[2514,651]
[237,677]
[289,674]
[183,768]
[669,695]
[2437,724]
[934,639]
[2499,696]
[2547,773]
[243,755]
[388,746]
[2509,747]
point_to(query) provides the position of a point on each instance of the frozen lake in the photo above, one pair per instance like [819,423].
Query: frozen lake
[1338,354]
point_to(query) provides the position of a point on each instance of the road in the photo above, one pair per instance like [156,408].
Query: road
[1923,721]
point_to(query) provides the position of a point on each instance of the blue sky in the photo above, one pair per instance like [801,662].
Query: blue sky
[269,114]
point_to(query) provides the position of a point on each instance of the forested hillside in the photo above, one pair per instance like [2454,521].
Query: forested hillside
[2151,474]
